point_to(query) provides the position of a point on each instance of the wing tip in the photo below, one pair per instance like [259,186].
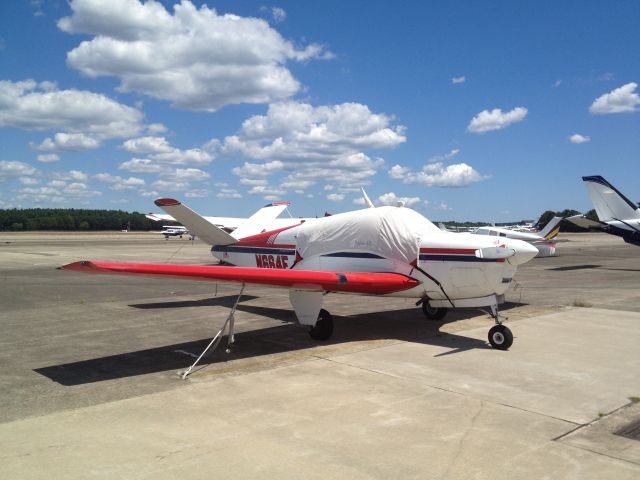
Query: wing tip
[166,202]
[81,266]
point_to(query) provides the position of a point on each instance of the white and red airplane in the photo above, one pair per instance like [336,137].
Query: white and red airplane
[392,251]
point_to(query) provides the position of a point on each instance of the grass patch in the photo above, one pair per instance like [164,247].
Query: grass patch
[634,399]
[581,303]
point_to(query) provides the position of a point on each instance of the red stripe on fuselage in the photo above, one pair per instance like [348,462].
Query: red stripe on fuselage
[262,239]
[449,251]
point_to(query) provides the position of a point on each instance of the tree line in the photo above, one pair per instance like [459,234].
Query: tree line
[72,219]
[542,222]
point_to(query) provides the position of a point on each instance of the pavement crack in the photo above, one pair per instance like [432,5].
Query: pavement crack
[465,436]
[370,370]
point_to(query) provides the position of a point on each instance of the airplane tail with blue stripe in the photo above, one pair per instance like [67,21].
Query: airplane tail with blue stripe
[609,203]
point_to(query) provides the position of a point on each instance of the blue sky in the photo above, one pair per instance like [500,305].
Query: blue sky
[466,110]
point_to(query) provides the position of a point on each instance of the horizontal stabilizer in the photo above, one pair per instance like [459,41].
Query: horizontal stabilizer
[160,217]
[584,222]
[259,221]
[351,282]
[196,224]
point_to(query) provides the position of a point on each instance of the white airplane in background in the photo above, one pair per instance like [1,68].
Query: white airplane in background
[389,251]
[543,240]
[617,214]
[173,231]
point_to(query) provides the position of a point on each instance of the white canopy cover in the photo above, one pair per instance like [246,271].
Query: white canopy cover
[391,232]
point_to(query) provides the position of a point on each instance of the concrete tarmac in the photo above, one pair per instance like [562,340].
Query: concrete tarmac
[89,385]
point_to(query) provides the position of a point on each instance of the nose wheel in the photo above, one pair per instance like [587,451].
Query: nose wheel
[500,337]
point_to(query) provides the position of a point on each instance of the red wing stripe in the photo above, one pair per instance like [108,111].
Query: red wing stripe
[166,202]
[352,282]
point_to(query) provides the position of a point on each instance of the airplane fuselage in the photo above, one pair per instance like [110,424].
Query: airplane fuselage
[448,265]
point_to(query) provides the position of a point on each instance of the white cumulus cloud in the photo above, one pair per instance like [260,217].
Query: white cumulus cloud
[15,169]
[67,141]
[195,58]
[318,144]
[228,193]
[148,144]
[279,15]
[161,157]
[392,199]
[438,175]
[40,106]
[621,100]
[456,80]
[48,157]
[119,183]
[446,156]
[577,138]
[495,119]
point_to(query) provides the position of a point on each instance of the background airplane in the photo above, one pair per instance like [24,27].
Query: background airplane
[391,251]
[617,214]
[542,240]
[173,231]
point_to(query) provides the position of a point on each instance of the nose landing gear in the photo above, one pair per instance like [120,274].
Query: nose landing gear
[500,337]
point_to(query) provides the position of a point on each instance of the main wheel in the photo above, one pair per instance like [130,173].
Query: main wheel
[433,313]
[500,337]
[323,329]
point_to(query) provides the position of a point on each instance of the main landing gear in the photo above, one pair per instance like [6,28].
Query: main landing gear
[433,313]
[323,329]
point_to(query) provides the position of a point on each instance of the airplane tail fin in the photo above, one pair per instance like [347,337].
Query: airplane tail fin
[260,220]
[551,230]
[196,224]
[609,203]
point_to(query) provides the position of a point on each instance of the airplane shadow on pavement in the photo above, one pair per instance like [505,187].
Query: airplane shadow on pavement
[408,325]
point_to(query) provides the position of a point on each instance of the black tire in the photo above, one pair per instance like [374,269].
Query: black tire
[500,337]
[433,313]
[323,329]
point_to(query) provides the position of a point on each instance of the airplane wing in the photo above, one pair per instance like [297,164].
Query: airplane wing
[312,280]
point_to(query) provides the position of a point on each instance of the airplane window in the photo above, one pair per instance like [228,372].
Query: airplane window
[503,234]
